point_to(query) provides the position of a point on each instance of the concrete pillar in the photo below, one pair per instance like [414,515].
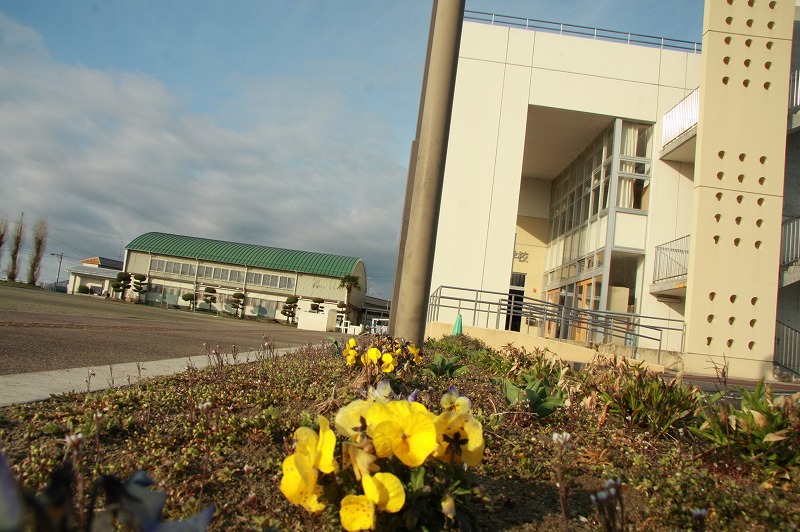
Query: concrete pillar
[418,238]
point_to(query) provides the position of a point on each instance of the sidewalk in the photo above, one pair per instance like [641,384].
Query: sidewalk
[29,387]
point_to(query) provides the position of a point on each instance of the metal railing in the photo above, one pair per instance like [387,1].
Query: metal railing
[794,91]
[682,117]
[790,242]
[582,31]
[787,348]
[496,310]
[671,260]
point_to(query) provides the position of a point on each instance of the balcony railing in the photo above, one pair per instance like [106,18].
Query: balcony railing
[794,91]
[681,118]
[790,242]
[582,31]
[672,260]
[787,348]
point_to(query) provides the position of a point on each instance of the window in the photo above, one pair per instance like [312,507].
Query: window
[253,278]
[157,265]
[287,283]
[270,281]
[236,276]
[185,269]
[518,280]
[636,140]
[633,193]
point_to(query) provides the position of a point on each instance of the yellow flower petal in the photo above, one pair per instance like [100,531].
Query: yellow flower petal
[325,461]
[418,441]
[351,418]
[357,513]
[374,354]
[385,490]
[306,443]
[299,483]
[352,343]
[384,435]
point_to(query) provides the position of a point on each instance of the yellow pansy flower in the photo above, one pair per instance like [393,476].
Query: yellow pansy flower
[460,438]
[318,449]
[414,352]
[384,490]
[372,356]
[453,401]
[389,363]
[403,429]
[313,453]
[357,512]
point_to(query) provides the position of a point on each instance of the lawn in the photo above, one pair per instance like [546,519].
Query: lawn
[642,453]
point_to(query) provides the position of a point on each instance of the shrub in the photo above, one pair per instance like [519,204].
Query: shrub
[765,427]
[83,289]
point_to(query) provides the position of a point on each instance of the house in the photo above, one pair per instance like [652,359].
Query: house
[176,265]
[95,273]
[625,190]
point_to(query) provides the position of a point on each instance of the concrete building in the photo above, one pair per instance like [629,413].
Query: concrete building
[612,188]
[176,265]
[95,273]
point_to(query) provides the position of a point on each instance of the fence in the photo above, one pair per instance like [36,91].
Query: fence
[671,260]
[787,348]
[496,310]
[582,31]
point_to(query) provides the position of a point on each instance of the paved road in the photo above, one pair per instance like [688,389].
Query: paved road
[45,331]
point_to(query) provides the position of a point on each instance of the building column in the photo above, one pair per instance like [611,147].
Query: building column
[418,238]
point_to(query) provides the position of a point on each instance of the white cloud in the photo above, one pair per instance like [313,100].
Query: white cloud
[296,164]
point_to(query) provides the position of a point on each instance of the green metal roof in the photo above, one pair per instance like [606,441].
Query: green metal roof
[244,254]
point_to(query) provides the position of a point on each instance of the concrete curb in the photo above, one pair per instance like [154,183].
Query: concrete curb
[39,386]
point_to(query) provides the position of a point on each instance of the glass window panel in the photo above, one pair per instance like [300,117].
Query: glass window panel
[633,193]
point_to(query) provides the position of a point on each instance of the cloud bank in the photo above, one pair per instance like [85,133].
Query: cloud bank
[108,155]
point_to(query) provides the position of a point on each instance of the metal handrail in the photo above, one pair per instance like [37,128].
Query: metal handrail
[671,260]
[490,309]
[787,348]
[582,31]
[790,242]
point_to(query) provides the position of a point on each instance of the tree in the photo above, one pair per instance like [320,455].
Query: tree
[209,296]
[290,308]
[349,283]
[3,234]
[139,285]
[39,244]
[16,244]
[191,297]
[237,303]
[122,283]
[316,304]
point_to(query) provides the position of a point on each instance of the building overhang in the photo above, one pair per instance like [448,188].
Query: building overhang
[681,149]
[555,137]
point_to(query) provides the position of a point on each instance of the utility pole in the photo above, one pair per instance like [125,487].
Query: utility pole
[58,273]
[426,174]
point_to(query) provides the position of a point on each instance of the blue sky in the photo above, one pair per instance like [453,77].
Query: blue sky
[281,123]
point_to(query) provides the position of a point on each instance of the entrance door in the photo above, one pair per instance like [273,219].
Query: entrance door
[583,301]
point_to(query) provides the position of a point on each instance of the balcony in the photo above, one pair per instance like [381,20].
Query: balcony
[671,269]
[679,127]
[679,130]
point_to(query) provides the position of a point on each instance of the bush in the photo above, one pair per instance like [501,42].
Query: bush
[83,289]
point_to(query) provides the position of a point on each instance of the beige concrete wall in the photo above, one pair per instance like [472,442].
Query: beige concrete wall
[501,72]
[738,186]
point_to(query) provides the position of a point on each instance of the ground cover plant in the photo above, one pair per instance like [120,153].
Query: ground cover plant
[376,433]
